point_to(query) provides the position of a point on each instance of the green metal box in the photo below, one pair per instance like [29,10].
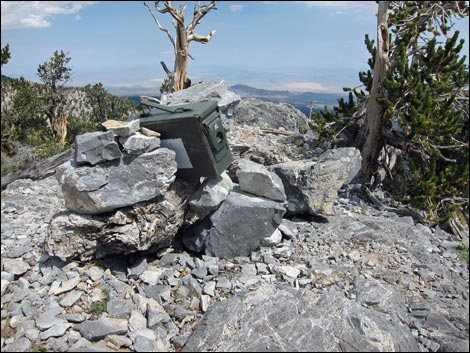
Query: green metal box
[195,132]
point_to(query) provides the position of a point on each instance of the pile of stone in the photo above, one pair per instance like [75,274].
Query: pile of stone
[124,198]
[121,194]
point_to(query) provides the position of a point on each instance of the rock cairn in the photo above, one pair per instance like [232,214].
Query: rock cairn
[120,194]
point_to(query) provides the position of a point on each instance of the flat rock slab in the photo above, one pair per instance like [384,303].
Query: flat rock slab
[96,330]
[15,266]
[203,91]
[281,318]
[122,128]
[138,143]
[111,185]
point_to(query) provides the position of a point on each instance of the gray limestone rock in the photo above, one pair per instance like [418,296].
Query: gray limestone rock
[265,114]
[57,330]
[203,91]
[137,144]
[119,308]
[70,298]
[137,268]
[20,344]
[15,266]
[256,179]
[210,195]
[312,187]
[19,251]
[112,185]
[96,147]
[289,320]
[98,329]
[71,236]
[236,228]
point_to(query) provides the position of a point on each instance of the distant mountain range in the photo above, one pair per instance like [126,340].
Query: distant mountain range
[301,101]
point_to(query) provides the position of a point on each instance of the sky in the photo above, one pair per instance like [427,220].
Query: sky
[300,46]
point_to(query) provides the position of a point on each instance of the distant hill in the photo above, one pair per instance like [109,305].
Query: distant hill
[6,77]
[299,100]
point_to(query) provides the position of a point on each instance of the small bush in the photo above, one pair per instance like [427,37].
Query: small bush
[100,307]
[303,129]
[462,251]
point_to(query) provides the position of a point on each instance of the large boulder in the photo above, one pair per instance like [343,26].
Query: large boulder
[115,184]
[236,228]
[143,226]
[203,91]
[280,318]
[255,112]
[256,179]
[312,187]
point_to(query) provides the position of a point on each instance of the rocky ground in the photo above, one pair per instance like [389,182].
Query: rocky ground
[360,280]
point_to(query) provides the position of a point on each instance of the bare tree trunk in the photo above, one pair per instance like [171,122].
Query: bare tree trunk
[181,59]
[375,113]
[61,131]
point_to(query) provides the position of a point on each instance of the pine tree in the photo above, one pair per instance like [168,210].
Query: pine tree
[106,106]
[424,94]
[54,74]
[5,54]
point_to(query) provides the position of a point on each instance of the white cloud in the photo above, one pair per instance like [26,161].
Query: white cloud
[38,14]
[236,8]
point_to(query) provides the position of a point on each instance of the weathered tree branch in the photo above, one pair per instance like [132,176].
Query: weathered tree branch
[200,39]
[178,16]
[401,211]
[165,68]
[199,12]
[172,39]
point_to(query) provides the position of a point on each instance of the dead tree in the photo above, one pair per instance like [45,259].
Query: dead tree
[184,35]
[375,110]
